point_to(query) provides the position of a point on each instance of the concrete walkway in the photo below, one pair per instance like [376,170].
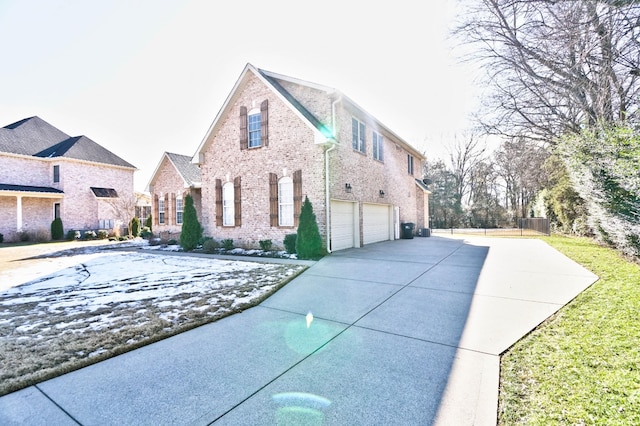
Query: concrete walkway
[403,332]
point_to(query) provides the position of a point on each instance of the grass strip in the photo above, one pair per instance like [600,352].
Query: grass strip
[582,366]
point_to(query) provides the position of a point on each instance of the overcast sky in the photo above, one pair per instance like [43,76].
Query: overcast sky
[147,76]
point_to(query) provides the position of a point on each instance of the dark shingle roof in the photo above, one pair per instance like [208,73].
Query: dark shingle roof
[289,97]
[26,188]
[34,136]
[190,172]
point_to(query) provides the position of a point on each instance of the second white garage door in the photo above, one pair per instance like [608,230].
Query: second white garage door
[376,223]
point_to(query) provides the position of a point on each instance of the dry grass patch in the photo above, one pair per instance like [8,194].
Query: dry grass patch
[117,302]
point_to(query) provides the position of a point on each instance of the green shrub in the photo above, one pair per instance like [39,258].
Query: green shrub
[1,238]
[146,233]
[73,235]
[90,235]
[191,228]
[149,223]
[266,245]
[227,244]
[308,241]
[172,242]
[102,234]
[57,231]
[23,236]
[210,245]
[290,243]
[135,226]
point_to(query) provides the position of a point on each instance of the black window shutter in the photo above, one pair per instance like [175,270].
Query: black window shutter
[237,204]
[297,196]
[218,202]
[244,135]
[273,199]
[264,122]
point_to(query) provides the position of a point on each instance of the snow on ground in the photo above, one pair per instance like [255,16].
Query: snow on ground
[105,299]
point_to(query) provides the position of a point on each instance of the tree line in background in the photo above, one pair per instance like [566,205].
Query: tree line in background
[563,86]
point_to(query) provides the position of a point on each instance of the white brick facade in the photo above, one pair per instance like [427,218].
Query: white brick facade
[167,184]
[43,170]
[293,145]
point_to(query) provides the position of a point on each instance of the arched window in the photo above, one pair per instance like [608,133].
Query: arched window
[228,212]
[285,201]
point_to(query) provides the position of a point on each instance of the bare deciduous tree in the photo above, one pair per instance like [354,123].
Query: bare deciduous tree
[555,67]
[464,154]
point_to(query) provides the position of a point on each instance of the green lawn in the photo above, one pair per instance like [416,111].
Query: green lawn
[582,366]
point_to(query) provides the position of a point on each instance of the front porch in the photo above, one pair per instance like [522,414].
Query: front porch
[27,209]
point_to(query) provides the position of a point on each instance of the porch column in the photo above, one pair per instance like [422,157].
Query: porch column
[19,213]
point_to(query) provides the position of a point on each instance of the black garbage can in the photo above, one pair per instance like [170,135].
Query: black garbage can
[407,230]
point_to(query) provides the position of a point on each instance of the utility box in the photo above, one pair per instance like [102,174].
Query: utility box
[424,232]
[407,230]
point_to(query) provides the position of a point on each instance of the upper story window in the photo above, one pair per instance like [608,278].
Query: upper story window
[357,130]
[254,130]
[377,146]
[410,164]
[179,210]
[285,201]
[228,213]
[56,174]
[161,210]
[254,126]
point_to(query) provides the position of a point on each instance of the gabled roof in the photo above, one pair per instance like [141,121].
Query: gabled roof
[189,171]
[322,130]
[35,137]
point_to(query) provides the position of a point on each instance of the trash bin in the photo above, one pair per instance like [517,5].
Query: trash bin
[407,230]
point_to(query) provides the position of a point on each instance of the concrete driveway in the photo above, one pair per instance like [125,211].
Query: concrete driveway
[401,332]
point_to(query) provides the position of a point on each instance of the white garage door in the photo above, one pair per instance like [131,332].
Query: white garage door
[375,223]
[342,229]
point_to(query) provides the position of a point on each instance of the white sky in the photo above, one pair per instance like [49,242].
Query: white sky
[147,76]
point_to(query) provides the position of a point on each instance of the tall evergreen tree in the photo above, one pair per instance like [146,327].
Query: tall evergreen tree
[191,228]
[57,230]
[308,241]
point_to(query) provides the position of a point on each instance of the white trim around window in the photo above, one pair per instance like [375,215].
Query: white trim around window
[378,144]
[358,135]
[179,210]
[228,210]
[285,201]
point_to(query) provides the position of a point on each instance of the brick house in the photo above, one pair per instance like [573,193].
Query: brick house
[278,139]
[174,178]
[45,173]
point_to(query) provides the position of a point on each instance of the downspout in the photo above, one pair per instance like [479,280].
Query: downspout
[326,172]
[327,201]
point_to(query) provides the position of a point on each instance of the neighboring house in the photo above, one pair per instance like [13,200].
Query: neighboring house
[278,139]
[45,174]
[175,177]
